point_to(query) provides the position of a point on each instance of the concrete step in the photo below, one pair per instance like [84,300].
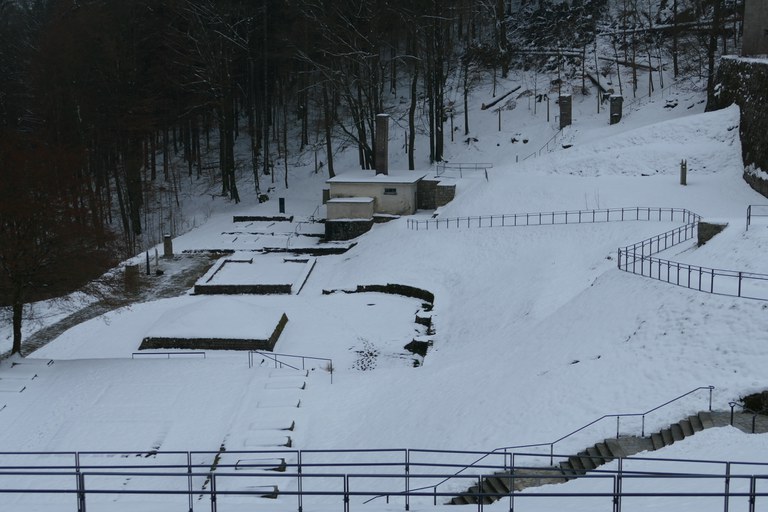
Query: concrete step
[586,461]
[666,434]
[696,423]
[496,485]
[657,440]
[596,456]
[677,432]
[615,448]
[687,428]
[605,452]
[631,445]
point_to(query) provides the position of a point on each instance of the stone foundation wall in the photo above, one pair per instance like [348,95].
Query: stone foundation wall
[432,194]
[444,194]
[346,229]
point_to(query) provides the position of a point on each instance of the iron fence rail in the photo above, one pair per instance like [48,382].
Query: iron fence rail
[637,258]
[635,213]
[78,488]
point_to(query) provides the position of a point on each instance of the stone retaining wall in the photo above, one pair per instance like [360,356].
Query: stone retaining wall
[745,83]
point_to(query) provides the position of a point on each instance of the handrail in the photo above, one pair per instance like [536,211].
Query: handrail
[750,214]
[461,167]
[274,356]
[168,355]
[505,449]
[84,482]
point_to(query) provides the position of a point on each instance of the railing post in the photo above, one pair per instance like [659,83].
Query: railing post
[480,493]
[710,397]
[407,479]
[617,426]
[346,493]
[732,404]
[80,484]
[300,483]
[213,491]
[727,491]
[752,493]
[739,293]
[189,481]
[642,427]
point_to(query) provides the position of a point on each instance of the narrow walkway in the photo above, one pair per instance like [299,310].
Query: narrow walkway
[180,275]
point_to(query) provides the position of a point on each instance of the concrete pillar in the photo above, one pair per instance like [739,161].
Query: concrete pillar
[382,144]
[683,172]
[131,277]
[566,110]
[167,246]
[617,104]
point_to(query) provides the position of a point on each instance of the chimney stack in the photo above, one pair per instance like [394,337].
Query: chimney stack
[382,144]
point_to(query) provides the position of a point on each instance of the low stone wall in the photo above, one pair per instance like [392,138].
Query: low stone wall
[153,343]
[745,83]
[707,231]
[234,289]
[394,289]
[346,229]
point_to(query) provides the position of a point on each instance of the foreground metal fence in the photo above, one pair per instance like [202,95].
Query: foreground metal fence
[663,484]
[203,480]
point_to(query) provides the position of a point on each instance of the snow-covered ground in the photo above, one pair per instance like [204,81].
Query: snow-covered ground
[536,332]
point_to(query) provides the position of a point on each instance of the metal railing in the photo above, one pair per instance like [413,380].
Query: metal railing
[167,355]
[634,213]
[758,207]
[442,167]
[348,484]
[552,140]
[300,363]
[507,451]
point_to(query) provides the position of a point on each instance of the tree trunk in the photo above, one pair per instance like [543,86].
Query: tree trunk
[18,314]
[412,119]
[328,119]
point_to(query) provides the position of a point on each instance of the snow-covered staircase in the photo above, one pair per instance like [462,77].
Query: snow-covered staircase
[262,435]
[601,453]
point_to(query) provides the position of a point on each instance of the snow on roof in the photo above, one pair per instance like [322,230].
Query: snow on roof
[384,179]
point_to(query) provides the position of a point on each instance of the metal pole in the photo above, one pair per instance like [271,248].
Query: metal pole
[189,481]
[407,480]
[727,492]
[213,492]
[300,486]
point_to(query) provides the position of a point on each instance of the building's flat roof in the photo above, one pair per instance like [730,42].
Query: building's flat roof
[402,177]
[350,200]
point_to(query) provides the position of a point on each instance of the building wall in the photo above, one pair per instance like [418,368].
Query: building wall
[349,210]
[755,28]
[403,202]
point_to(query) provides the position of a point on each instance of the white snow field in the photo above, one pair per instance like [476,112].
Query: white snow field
[536,333]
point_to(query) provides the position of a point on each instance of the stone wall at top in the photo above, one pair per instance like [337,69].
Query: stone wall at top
[745,82]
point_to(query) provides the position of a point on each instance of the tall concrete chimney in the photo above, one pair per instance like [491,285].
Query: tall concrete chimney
[382,144]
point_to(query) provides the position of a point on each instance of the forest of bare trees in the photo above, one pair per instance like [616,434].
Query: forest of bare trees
[105,105]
